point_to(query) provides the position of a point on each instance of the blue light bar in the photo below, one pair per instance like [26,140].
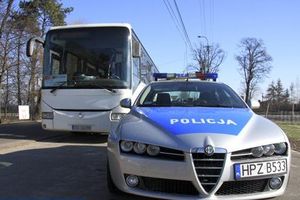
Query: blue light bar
[206,76]
[198,75]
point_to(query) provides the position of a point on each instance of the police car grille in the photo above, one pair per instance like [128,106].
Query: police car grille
[171,154]
[168,186]
[208,169]
[242,187]
[242,154]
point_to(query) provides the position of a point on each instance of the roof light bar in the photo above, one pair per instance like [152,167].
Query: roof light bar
[196,75]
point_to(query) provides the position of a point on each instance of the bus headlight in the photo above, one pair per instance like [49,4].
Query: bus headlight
[47,115]
[116,116]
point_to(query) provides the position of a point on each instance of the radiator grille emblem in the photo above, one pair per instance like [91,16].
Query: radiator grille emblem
[209,150]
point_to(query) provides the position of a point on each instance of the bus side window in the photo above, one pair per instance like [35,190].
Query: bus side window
[136,73]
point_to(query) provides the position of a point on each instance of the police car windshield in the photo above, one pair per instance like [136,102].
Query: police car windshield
[189,94]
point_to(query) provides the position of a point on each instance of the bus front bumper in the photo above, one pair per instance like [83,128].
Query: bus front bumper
[79,121]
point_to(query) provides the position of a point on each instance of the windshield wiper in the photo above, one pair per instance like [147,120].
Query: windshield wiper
[106,88]
[87,85]
[97,86]
[57,87]
[218,106]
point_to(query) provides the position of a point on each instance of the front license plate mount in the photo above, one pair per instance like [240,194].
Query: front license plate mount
[258,169]
[81,127]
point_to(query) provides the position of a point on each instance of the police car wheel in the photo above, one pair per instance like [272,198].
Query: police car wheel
[110,184]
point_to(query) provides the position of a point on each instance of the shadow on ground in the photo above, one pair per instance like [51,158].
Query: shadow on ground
[33,131]
[61,173]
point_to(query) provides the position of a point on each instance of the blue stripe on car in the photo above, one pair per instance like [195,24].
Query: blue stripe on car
[197,120]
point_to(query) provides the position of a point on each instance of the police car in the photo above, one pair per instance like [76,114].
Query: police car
[193,139]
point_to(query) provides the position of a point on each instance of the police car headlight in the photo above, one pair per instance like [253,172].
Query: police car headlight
[139,148]
[153,150]
[257,151]
[126,146]
[280,148]
[269,149]
[116,116]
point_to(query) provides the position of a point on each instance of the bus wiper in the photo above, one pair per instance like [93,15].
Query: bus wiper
[106,88]
[98,86]
[57,87]
[93,85]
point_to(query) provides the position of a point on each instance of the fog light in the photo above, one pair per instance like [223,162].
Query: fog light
[132,180]
[275,183]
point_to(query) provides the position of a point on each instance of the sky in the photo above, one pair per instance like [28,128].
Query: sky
[276,22]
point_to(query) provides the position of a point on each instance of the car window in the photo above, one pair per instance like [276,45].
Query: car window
[202,94]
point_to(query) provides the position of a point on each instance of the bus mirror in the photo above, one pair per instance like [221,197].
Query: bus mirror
[30,45]
[125,103]
[255,105]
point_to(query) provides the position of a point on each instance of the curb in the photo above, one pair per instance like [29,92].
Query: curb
[19,122]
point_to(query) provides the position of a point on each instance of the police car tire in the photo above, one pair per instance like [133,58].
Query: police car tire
[110,184]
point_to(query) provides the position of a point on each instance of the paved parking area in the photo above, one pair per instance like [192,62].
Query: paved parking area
[64,166]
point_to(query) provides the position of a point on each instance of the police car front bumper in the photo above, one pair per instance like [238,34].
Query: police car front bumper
[166,179]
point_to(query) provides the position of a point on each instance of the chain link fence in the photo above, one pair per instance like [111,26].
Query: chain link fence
[282,116]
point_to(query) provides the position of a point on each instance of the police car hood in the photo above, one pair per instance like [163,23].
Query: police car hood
[188,127]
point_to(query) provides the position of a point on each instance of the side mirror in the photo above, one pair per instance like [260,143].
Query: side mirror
[255,105]
[30,45]
[125,103]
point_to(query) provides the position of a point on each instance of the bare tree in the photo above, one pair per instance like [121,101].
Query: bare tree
[19,76]
[208,58]
[5,17]
[255,65]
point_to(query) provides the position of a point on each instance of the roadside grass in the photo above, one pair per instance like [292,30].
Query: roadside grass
[292,130]
[293,133]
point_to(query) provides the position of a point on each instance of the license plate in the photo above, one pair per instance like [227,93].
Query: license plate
[246,170]
[81,127]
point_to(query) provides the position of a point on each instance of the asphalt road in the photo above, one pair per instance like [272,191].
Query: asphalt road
[42,165]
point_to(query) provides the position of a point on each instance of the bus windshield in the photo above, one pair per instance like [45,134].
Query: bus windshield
[88,57]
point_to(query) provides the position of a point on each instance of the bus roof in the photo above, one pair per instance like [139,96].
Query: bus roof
[125,25]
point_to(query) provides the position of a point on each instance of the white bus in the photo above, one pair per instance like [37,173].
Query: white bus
[87,70]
